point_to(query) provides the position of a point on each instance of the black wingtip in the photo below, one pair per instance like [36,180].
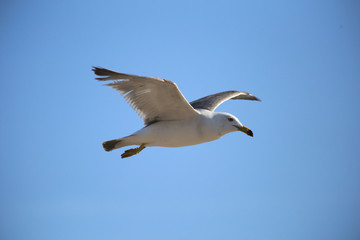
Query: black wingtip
[100,71]
[253,98]
[95,68]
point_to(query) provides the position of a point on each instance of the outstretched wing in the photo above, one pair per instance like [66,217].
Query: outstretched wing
[211,102]
[153,99]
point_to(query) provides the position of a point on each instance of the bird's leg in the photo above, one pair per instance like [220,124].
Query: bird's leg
[133,151]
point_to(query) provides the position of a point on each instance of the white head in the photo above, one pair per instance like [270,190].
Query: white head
[229,123]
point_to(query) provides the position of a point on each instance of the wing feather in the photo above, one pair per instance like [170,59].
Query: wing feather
[153,99]
[211,102]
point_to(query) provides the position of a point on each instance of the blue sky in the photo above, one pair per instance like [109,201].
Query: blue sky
[298,178]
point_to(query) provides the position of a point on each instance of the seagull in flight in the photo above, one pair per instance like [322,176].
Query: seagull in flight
[170,120]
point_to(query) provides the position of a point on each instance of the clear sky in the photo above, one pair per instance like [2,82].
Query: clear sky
[297,178]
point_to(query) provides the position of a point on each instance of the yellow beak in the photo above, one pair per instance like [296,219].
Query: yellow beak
[245,130]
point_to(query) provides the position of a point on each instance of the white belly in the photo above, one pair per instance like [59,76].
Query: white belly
[177,133]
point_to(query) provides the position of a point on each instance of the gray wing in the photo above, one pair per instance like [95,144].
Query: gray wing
[211,102]
[153,99]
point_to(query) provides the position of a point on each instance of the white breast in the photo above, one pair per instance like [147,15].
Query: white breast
[179,133]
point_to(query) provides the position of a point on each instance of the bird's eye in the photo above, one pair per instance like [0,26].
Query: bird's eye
[230,119]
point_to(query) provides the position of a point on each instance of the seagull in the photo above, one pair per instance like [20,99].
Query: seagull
[169,119]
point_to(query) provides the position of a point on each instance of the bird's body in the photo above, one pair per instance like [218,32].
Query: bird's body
[179,133]
[170,120]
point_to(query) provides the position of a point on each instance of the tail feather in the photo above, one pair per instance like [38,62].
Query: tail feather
[111,145]
[119,143]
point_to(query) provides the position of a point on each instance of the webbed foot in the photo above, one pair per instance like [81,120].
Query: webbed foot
[133,151]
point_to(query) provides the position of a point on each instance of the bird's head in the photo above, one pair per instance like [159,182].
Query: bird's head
[232,124]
